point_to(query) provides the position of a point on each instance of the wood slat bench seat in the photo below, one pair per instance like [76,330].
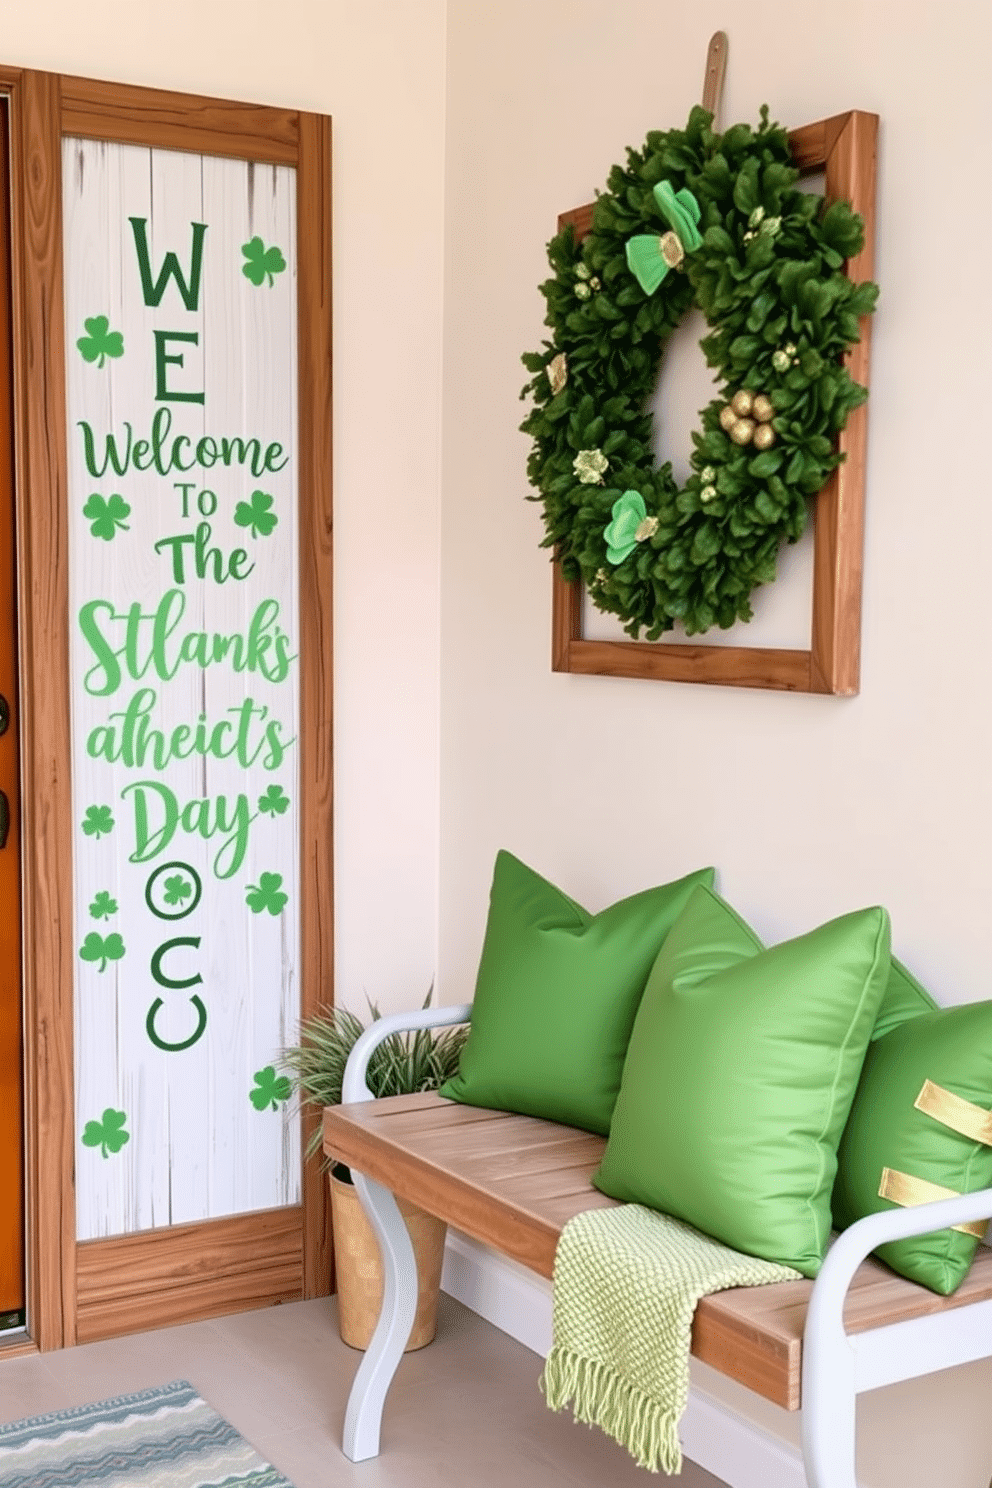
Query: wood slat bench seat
[513,1182]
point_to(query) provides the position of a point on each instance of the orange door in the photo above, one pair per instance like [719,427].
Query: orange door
[11,1092]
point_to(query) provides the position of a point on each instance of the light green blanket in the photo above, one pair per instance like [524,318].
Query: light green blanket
[626,1284]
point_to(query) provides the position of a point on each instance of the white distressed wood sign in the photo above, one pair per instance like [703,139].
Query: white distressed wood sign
[180,320]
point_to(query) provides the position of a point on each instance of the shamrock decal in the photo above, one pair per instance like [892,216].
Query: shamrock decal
[177,888]
[101,341]
[97,948]
[266,894]
[109,1134]
[272,1089]
[262,261]
[274,802]
[103,906]
[256,514]
[105,517]
[98,819]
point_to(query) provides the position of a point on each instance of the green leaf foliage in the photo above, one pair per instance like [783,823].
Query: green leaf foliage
[403,1064]
[781,314]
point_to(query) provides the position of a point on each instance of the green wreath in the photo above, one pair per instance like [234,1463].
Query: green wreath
[694,218]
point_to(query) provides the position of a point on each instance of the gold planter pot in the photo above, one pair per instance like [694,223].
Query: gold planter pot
[358,1267]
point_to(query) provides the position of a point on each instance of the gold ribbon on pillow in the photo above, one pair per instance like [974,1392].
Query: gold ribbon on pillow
[952,1110]
[906,1191]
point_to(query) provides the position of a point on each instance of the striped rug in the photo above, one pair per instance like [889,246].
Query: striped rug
[164,1438]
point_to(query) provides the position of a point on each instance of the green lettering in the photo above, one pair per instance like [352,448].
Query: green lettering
[150,840]
[237,449]
[104,677]
[272,453]
[111,455]
[156,962]
[163,393]
[176,544]
[153,292]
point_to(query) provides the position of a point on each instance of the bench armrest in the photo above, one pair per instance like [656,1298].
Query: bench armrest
[837,1365]
[353,1086]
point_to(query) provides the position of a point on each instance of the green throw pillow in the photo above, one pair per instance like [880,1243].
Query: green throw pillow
[740,1074]
[556,996]
[904,998]
[943,1061]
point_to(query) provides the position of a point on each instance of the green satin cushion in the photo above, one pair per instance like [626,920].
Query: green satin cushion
[952,1047]
[556,996]
[904,998]
[741,1069]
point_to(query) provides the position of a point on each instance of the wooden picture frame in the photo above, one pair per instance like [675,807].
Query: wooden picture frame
[844,148]
[98,1288]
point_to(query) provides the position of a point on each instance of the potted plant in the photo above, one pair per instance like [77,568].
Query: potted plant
[403,1064]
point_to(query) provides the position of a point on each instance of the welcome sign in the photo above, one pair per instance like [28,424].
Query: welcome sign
[181,368]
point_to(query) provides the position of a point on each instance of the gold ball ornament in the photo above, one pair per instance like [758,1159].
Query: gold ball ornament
[762,409]
[742,403]
[743,431]
[764,437]
[728,417]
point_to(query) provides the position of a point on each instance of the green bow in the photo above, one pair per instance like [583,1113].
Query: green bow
[649,257]
[629,512]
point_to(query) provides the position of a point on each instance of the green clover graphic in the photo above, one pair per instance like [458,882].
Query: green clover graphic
[101,341]
[261,261]
[267,894]
[272,1089]
[256,515]
[103,906]
[105,517]
[177,888]
[98,819]
[274,802]
[109,1134]
[97,948]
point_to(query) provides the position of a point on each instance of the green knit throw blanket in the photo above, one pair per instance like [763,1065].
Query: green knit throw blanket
[626,1284]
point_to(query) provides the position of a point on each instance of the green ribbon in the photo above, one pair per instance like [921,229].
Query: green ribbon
[645,252]
[629,512]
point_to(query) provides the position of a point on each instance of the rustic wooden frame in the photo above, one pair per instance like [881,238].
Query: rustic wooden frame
[102,1287]
[844,147]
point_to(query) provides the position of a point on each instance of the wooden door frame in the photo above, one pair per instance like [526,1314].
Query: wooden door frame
[81,1291]
[11,1035]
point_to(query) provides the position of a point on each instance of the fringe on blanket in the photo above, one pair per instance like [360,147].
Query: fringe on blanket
[603,1398]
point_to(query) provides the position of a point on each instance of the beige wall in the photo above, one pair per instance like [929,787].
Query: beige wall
[809,806]
[378,69]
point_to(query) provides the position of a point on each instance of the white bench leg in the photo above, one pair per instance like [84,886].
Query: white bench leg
[363,1417]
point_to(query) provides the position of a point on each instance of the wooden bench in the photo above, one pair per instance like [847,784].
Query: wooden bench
[512,1182]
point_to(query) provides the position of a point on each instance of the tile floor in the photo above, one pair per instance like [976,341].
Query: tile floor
[466,1411]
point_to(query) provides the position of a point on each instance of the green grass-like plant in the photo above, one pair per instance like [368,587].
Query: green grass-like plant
[403,1064]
